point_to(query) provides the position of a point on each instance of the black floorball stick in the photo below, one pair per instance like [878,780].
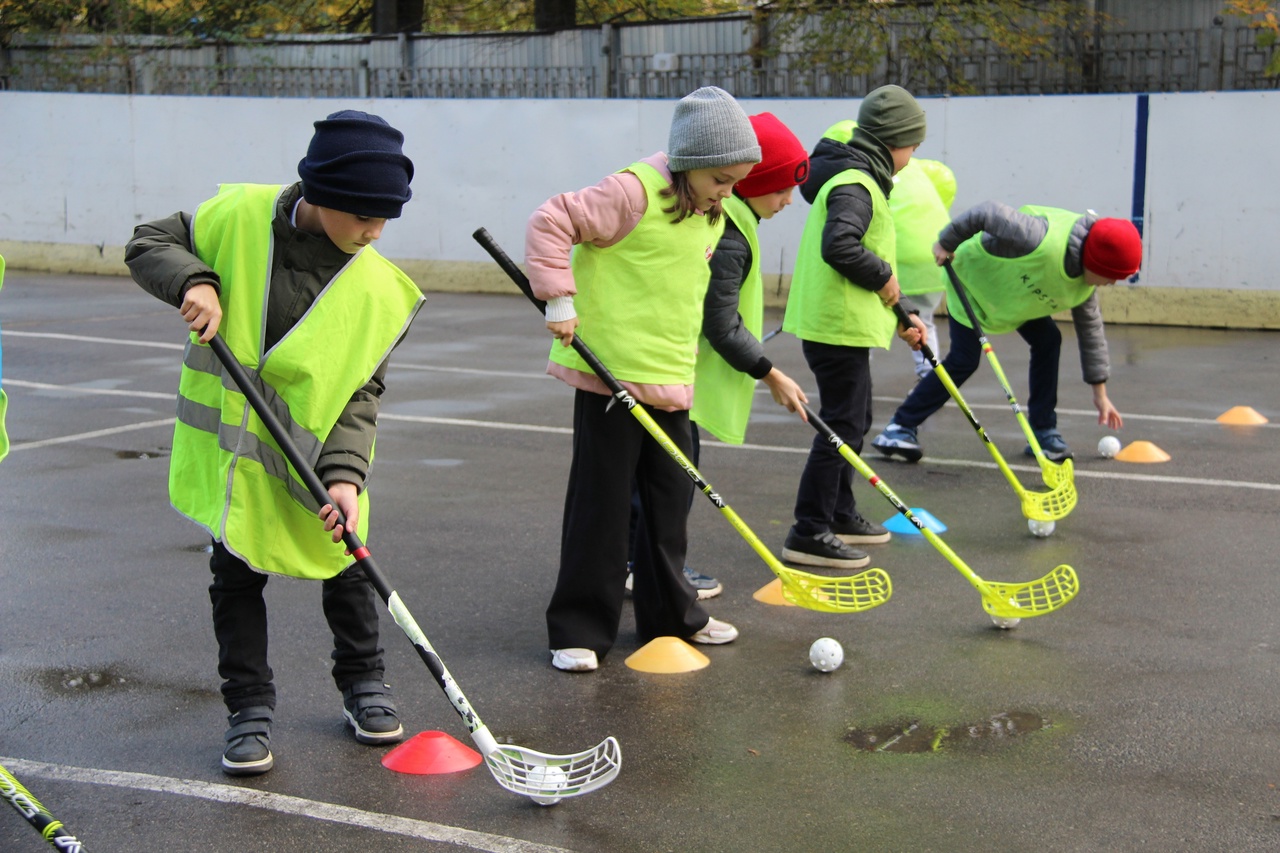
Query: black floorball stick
[546,778]
[36,814]
[850,594]
[1052,505]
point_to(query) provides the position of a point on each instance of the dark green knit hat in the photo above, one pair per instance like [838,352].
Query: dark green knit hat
[892,116]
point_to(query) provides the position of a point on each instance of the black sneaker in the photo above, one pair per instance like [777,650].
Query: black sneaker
[248,751]
[859,530]
[824,550]
[371,713]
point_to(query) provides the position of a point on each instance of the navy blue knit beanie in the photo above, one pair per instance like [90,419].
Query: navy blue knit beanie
[355,164]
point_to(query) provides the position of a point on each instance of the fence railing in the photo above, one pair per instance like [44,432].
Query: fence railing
[1217,58]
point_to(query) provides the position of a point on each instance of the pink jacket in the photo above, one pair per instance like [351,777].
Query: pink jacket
[601,215]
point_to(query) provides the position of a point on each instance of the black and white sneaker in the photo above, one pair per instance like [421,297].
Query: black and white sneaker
[899,440]
[248,750]
[824,550]
[1051,442]
[371,712]
[859,530]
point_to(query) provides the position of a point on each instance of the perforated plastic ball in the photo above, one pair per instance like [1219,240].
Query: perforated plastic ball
[826,654]
[548,780]
[1108,446]
[1040,528]
[1006,623]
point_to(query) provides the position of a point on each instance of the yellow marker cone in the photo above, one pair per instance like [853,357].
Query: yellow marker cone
[1241,415]
[771,593]
[1143,451]
[667,655]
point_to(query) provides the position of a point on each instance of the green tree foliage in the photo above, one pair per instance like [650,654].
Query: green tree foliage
[919,45]
[1263,16]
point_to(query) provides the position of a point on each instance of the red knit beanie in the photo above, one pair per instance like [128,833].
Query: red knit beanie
[1113,249]
[785,162]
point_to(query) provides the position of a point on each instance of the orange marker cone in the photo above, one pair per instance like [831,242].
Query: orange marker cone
[1241,415]
[1143,451]
[667,655]
[428,753]
[771,593]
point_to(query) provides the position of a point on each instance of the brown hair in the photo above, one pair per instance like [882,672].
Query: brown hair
[683,205]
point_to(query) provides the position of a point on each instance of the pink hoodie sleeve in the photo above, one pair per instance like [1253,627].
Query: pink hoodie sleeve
[601,215]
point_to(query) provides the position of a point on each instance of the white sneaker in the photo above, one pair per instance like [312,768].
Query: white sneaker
[715,633]
[575,660]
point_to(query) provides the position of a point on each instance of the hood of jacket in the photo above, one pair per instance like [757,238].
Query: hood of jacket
[841,149]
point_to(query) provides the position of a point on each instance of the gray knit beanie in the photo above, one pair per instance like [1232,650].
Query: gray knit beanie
[710,129]
[892,116]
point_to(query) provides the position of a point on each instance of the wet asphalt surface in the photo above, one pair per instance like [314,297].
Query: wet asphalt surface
[1141,716]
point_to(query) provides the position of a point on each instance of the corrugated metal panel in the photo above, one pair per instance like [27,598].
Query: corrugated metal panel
[1158,15]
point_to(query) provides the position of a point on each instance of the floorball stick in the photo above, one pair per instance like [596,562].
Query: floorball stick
[849,594]
[1053,473]
[544,777]
[1002,600]
[1052,505]
[36,814]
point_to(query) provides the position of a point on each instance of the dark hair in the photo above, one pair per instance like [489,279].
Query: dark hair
[684,205]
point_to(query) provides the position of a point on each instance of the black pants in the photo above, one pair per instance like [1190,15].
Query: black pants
[611,450]
[843,377]
[240,625]
[1045,339]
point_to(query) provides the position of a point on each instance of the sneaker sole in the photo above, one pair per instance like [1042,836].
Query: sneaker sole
[710,592]
[575,664]
[906,453]
[248,768]
[366,736]
[823,562]
[710,640]
[864,539]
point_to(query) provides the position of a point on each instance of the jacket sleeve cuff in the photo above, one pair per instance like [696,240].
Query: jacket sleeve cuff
[560,308]
[761,368]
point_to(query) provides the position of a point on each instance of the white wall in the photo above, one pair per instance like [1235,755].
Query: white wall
[84,169]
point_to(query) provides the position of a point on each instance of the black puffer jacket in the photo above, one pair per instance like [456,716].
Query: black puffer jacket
[721,322]
[849,207]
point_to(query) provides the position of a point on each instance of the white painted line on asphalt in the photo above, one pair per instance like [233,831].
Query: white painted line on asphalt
[97,433]
[389,824]
[80,389]
[92,340]
[479,424]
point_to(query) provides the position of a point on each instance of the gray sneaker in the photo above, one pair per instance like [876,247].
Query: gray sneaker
[859,530]
[824,550]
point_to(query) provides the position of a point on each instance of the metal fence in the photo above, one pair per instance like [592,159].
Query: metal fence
[627,61]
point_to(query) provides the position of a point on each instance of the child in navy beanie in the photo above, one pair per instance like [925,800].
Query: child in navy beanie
[356,164]
[288,277]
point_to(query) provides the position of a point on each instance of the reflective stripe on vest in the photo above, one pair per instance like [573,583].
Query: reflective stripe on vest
[722,395]
[639,301]
[1007,292]
[823,305]
[227,473]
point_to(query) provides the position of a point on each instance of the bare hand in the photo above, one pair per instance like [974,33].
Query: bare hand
[916,336]
[563,330]
[344,506]
[941,255]
[202,310]
[786,392]
[890,293]
[1108,414]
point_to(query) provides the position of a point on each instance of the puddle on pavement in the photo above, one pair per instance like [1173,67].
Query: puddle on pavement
[913,736]
[80,681]
[140,454]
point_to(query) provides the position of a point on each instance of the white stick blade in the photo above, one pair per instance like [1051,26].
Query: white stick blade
[548,778]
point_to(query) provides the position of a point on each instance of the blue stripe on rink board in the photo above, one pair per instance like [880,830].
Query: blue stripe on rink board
[1140,161]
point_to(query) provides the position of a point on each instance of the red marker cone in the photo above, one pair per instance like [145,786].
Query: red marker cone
[430,753]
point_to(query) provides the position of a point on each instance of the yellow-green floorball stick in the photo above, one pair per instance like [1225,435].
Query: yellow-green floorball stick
[1057,476]
[1052,505]
[847,594]
[49,827]
[1006,603]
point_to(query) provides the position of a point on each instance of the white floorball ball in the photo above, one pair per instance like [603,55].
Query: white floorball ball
[548,779]
[1006,623]
[1040,528]
[1108,446]
[826,654]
